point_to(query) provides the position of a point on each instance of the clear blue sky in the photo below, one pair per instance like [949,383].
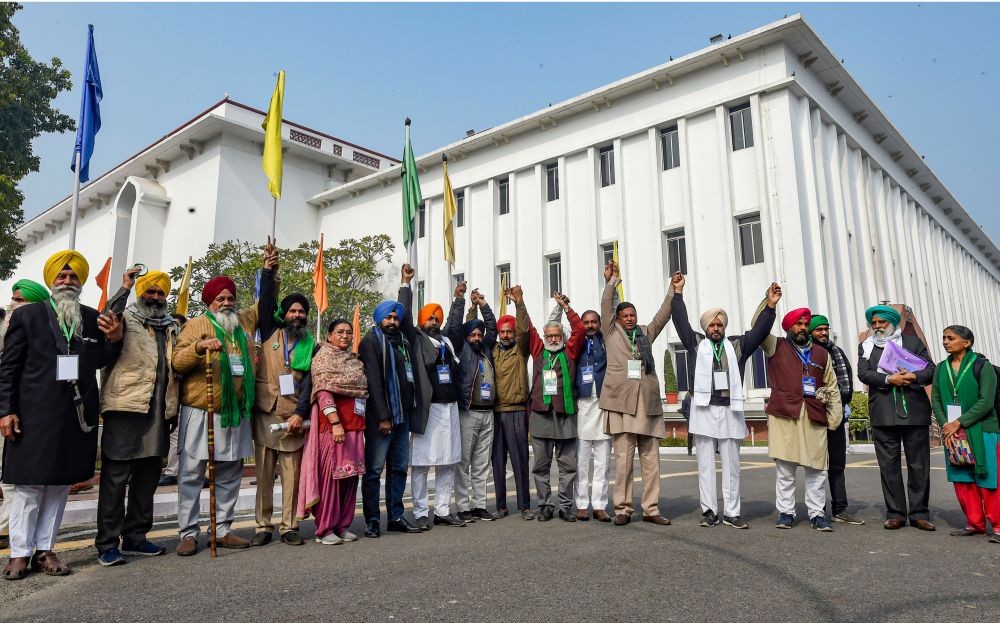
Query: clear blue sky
[356,70]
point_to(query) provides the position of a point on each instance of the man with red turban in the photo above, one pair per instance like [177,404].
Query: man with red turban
[220,334]
[804,405]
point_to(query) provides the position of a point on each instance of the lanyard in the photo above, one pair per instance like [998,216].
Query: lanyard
[550,360]
[590,356]
[288,349]
[962,371]
[404,354]
[717,352]
[631,338]
[66,331]
[442,351]
[805,356]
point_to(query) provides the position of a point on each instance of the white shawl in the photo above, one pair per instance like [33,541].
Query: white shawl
[871,342]
[703,375]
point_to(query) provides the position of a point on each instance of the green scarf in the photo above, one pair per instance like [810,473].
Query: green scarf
[302,353]
[232,410]
[968,394]
[549,363]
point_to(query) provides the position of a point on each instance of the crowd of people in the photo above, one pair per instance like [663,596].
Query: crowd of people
[461,395]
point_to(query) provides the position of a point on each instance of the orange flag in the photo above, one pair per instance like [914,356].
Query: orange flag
[102,281]
[319,281]
[356,326]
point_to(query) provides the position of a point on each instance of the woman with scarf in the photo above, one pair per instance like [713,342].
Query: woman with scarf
[962,398]
[900,415]
[334,456]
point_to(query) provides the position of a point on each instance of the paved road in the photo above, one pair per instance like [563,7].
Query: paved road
[556,571]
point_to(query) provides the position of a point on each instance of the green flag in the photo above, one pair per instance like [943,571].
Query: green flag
[411,192]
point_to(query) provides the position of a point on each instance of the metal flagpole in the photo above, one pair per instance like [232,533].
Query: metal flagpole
[274,218]
[74,212]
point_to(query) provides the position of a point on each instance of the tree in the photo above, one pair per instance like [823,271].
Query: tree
[352,273]
[27,89]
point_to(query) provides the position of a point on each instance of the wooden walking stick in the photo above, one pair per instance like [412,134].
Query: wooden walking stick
[211,453]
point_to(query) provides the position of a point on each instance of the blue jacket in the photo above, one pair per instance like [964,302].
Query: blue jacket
[593,354]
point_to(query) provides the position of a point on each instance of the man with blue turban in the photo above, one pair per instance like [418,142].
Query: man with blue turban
[900,414]
[392,402]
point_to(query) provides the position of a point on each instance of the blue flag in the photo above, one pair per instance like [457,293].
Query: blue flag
[90,110]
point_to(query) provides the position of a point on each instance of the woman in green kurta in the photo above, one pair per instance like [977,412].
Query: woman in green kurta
[962,398]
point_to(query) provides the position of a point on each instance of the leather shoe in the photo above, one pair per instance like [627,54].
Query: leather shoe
[566,515]
[659,520]
[261,538]
[894,524]
[231,541]
[292,538]
[622,520]
[373,530]
[48,563]
[544,513]
[582,515]
[602,515]
[923,524]
[401,525]
[187,547]
[16,569]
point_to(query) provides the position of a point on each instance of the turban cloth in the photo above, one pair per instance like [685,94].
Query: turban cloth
[431,309]
[472,325]
[60,260]
[794,316]
[32,291]
[292,299]
[818,321]
[884,312]
[215,286]
[150,279]
[707,318]
[506,320]
[383,309]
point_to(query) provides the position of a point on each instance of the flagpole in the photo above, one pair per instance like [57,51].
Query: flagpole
[75,210]
[274,218]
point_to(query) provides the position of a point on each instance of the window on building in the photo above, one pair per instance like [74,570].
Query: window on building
[681,367]
[607,156]
[503,278]
[676,252]
[551,181]
[670,145]
[751,240]
[456,278]
[607,254]
[555,273]
[460,205]
[422,220]
[741,126]
[503,188]
[420,294]
[759,370]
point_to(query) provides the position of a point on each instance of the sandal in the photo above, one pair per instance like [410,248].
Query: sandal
[48,563]
[16,569]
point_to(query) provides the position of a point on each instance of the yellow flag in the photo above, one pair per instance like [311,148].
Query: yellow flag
[184,291]
[450,210]
[614,256]
[272,138]
[503,295]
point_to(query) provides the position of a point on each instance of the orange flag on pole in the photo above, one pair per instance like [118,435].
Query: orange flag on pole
[356,326]
[319,281]
[102,281]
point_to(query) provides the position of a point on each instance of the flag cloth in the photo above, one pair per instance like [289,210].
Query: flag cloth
[271,162]
[614,257]
[319,281]
[89,122]
[503,294]
[450,210]
[184,291]
[102,282]
[411,196]
[356,326]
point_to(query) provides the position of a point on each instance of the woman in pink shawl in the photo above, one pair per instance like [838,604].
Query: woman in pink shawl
[334,455]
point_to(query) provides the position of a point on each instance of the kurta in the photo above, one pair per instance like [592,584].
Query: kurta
[441,443]
[231,444]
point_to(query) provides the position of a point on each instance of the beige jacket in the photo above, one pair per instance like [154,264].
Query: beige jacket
[271,407]
[128,385]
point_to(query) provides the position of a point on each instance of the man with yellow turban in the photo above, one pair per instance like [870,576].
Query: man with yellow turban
[139,405]
[49,408]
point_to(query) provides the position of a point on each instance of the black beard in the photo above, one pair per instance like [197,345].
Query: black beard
[821,341]
[390,330]
[296,329]
[435,332]
[800,339]
[151,309]
[477,347]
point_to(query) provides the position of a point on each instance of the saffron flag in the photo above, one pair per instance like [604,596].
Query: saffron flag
[411,198]
[450,210]
[271,162]
[319,281]
[102,281]
[614,257]
[356,326]
[89,122]
[184,291]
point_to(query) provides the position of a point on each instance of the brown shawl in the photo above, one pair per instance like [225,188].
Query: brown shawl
[339,372]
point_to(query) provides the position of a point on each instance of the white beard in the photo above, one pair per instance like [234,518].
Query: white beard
[228,319]
[67,300]
[554,348]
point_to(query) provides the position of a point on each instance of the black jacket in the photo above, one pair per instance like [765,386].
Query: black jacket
[469,360]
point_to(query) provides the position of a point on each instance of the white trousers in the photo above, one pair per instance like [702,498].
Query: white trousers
[8,491]
[598,494]
[444,480]
[784,488]
[729,451]
[35,514]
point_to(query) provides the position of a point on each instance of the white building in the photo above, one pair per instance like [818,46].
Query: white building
[758,158]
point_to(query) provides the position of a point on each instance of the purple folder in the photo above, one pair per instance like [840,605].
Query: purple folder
[895,356]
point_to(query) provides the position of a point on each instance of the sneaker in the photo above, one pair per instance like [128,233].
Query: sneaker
[466,516]
[423,524]
[845,517]
[544,513]
[708,519]
[330,539]
[527,515]
[500,514]
[111,557]
[143,548]
[372,529]
[735,522]
[348,537]
[481,514]
[784,521]
[448,520]
[819,522]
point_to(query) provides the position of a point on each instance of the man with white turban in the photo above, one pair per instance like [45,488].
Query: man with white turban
[715,403]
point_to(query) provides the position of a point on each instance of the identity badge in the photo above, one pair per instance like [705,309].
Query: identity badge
[721,379]
[68,367]
[444,374]
[954,412]
[360,404]
[634,369]
[409,372]
[809,386]
[587,373]
[550,384]
[485,391]
[286,384]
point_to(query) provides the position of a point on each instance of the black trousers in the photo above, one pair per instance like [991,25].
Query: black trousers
[836,445]
[915,441]
[139,477]
[510,439]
